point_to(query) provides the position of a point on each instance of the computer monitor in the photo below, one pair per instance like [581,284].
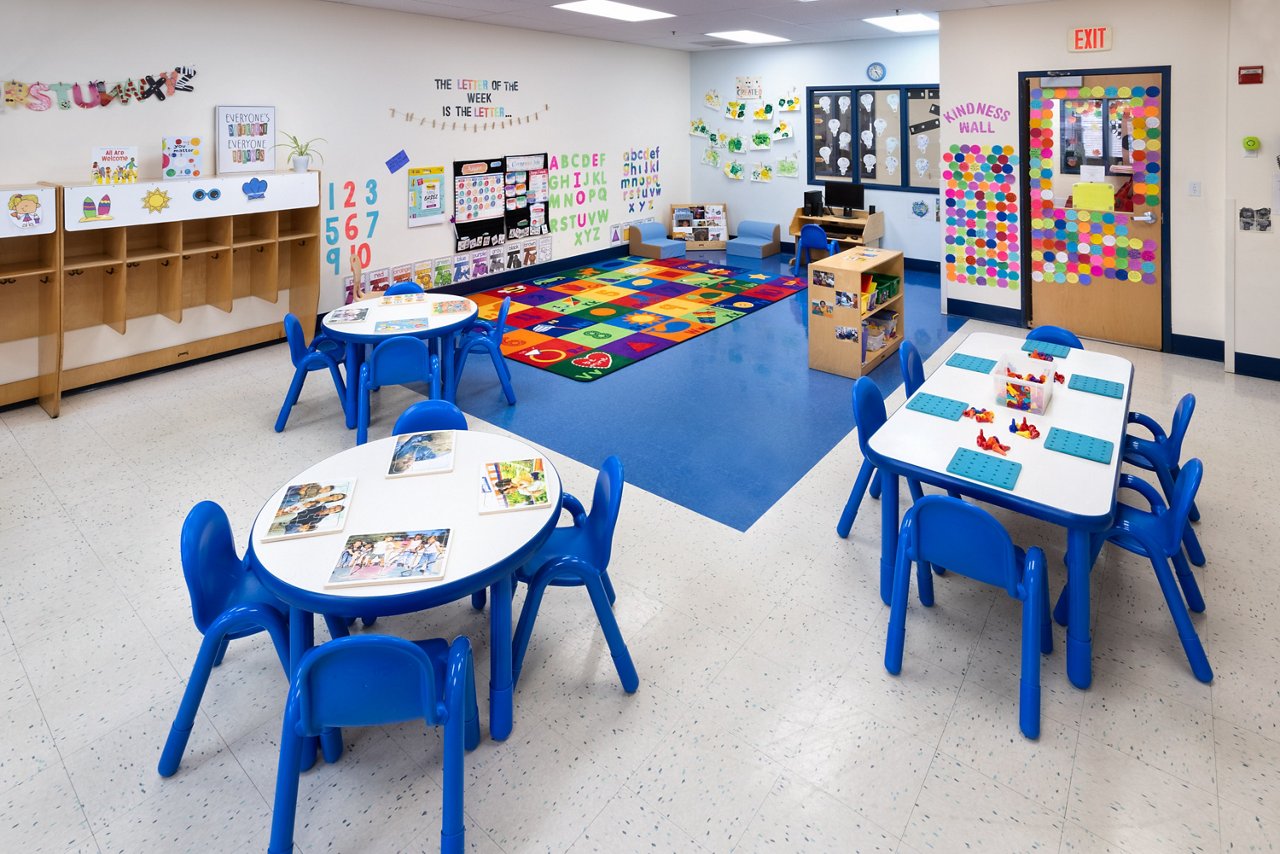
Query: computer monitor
[843,198]
[813,203]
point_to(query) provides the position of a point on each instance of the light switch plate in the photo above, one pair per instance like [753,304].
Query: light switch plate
[1193,189]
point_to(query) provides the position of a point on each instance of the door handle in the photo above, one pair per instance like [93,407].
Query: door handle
[1148,218]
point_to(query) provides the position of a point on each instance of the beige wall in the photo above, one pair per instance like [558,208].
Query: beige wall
[983,50]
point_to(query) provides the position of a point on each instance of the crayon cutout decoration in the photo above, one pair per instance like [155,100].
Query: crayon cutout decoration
[254,188]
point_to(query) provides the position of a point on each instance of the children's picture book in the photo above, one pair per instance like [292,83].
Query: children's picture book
[347,315]
[416,324]
[403,299]
[513,485]
[450,306]
[391,558]
[181,157]
[311,508]
[115,165]
[422,453]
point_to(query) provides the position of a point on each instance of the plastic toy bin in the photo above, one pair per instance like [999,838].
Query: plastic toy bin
[1021,394]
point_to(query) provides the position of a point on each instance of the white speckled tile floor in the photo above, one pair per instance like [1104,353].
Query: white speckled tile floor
[765,720]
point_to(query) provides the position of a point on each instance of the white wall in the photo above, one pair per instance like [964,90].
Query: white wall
[1252,111]
[335,71]
[982,51]
[782,69]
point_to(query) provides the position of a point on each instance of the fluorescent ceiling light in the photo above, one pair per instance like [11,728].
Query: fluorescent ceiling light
[913,23]
[609,9]
[748,37]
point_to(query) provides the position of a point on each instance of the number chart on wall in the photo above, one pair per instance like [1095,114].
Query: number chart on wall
[351,223]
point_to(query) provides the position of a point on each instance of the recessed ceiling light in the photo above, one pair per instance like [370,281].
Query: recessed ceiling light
[748,37]
[609,9]
[913,23]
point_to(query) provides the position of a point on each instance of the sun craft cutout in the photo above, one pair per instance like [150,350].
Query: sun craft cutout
[155,200]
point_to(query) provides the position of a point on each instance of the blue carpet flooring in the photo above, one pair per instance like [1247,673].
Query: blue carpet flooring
[724,424]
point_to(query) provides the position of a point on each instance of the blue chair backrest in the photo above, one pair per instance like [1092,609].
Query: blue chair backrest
[651,230]
[1055,335]
[404,288]
[812,236]
[367,680]
[606,502]
[430,415]
[1178,429]
[399,360]
[1184,493]
[297,341]
[868,410]
[210,565]
[500,325]
[912,367]
[964,538]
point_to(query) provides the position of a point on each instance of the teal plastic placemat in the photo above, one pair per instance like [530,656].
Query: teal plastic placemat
[1093,385]
[932,404]
[1079,445]
[971,363]
[987,468]
[1058,351]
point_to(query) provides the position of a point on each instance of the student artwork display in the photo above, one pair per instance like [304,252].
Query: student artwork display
[980,235]
[762,113]
[422,453]
[735,110]
[30,210]
[761,140]
[392,557]
[789,166]
[513,485]
[789,103]
[711,100]
[426,195]
[830,116]
[762,173]
[711,157]
[40,97]
[734,170]
[245,138]
[311,508]
[114,165]
[180,157]
[697,127]
[735,144]
[782,130]
[749,88]
[717,139]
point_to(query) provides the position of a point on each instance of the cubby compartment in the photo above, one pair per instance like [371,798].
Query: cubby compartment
[28,255]
[206,235]
[206,279]
[299,223]
[153,240]
[254,271]
[96,248]
[254,228]
[154,287]
[94,296]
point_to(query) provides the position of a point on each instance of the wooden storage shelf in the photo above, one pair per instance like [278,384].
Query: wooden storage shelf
[255,228]
[837,323]
[889,303]
[18,269]
[861,229]
[298,224]
[206,235]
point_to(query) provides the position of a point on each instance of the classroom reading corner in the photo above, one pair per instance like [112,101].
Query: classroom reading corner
[651,426]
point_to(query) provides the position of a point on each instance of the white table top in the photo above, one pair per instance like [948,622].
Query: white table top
[381,504]
[1068,484]
[409,311]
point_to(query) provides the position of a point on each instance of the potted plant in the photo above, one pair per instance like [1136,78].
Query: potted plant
[301,152]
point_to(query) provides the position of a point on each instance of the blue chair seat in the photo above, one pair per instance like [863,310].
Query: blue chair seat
[396,361]
[324,354]
[485,337]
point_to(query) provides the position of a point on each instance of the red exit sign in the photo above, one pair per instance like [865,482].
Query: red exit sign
[1089,38]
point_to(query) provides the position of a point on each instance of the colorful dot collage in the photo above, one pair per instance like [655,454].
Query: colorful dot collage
[980,188]
[1076,246]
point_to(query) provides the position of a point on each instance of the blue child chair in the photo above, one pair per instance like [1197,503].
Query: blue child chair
[578,556]
[396,361]
[374,680]
[404,288]
[323,354]
[812,236]
[912,367]
[428,415]
[1161,454]
[1055,335]
[483,336]
[869,416]
[1156,534]
[227,603]
[970,541]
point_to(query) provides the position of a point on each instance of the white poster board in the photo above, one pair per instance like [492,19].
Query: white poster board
[246,139]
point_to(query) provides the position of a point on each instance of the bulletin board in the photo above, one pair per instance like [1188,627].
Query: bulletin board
[479,203]
[830,133]
[885,137]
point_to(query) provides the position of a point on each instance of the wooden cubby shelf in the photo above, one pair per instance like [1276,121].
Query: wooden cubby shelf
[842,317]
[104,263]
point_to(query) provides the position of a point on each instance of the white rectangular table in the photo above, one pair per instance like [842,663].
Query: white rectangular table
[1075,493]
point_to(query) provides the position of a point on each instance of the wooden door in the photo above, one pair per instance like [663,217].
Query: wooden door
[1096,251]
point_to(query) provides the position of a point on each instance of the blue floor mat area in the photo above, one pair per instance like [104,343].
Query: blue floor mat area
[723,424]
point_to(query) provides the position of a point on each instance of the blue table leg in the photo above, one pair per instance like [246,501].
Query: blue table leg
[888,531]
[501,703]
[354,352]
[1079,643]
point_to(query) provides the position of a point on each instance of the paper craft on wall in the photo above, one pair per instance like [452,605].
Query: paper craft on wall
[789,166]
[734,170]
[697,127]
[717,138]
[763,113]
[245,138]
[711,157]
[781,131]
[735,144]
[41,97]
[789,103]
[712,100]
[762,173]
[761,140]
[426,195]
[749,88]
[735,110]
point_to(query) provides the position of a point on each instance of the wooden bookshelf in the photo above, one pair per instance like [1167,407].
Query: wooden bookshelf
[839,324]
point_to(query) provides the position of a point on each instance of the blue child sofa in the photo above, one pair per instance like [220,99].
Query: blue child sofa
[649,240]
[755,240]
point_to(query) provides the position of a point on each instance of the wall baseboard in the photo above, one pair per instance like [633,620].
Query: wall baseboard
[1199,348]
[982,311]
[922,265]
[1264,367]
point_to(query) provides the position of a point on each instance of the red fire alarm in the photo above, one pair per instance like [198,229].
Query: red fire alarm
[1250,74]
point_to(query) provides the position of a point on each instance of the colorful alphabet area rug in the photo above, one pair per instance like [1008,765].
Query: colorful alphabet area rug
[587,323]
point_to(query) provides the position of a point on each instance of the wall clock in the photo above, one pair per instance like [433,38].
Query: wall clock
[875,72]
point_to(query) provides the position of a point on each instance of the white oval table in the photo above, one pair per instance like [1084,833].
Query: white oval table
[484,550]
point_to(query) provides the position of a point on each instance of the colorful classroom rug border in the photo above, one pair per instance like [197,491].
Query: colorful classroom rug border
[589,322]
